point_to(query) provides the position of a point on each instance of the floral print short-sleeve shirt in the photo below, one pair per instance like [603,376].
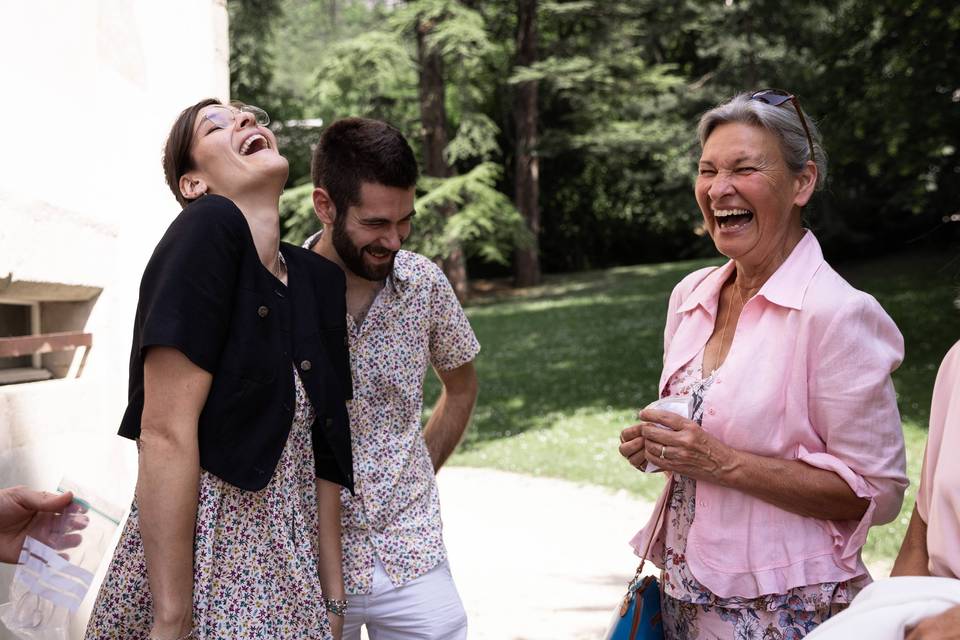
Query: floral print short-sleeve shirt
[415,321]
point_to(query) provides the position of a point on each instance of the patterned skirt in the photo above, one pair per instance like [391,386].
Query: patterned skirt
[255,558]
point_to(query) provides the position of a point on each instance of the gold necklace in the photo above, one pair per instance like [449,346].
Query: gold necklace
[723,332]
[279,266]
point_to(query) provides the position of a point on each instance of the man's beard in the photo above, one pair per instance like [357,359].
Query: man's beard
[352,256]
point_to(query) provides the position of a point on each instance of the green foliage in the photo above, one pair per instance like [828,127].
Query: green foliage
[296,212]
[370,74]
[485,222]
[475,140]
[455,30]
[251,58]
[622,84]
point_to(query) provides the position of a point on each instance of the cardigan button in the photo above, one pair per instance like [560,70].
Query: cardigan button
[306,365]
[263,311]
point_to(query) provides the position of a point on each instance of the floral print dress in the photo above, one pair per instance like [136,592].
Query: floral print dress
[690,611]
[255,558]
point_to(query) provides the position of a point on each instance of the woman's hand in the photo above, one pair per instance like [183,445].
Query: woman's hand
[632,446]
[684,447]
[336,625]
[945,626]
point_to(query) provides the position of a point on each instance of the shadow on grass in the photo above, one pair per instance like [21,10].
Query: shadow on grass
[593,341]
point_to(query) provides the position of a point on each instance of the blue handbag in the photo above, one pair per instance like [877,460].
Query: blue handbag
[638,617]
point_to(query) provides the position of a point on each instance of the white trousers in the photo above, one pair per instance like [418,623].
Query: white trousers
[427,608]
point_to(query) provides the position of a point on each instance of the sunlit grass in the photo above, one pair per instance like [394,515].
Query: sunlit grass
[565,366]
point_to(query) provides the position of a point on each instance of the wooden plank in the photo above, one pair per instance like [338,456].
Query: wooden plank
[44,343]
[23,374]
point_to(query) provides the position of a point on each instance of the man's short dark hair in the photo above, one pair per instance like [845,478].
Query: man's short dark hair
[352,151]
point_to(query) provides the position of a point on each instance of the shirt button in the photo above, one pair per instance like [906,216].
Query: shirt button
[263,311]
[306,365]
[712,411]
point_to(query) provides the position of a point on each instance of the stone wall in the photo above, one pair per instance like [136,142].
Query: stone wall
[90,91]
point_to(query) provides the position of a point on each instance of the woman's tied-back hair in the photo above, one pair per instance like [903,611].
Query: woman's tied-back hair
[781,120]
[176,152]
[352,151]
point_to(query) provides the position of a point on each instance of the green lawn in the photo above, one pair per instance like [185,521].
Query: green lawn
[565,366]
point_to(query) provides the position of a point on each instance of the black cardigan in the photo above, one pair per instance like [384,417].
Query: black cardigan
[206,293]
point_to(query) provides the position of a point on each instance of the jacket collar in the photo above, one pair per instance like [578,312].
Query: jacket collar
[786,287]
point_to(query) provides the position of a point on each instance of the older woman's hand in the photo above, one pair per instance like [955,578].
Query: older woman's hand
[632,446]
[684,447]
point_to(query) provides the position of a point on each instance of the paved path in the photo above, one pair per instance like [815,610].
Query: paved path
[537,558]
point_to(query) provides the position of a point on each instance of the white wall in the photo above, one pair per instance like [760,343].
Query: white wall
[88,91]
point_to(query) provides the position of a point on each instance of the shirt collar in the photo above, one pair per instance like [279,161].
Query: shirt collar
[786,287]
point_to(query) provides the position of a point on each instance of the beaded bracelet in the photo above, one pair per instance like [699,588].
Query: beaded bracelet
[336,607]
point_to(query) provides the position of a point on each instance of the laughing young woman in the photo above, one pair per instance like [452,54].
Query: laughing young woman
[238,380]
[795,447]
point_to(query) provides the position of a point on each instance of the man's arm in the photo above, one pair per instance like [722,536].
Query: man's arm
[452,412]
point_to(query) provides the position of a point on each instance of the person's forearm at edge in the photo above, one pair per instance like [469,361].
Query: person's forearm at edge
[330,549]
[168,483]
[794,486]
[451,414]
[913,559]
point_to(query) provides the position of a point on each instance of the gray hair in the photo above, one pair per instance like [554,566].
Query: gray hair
[782,121]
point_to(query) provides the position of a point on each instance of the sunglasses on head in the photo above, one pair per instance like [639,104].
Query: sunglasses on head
[775,98]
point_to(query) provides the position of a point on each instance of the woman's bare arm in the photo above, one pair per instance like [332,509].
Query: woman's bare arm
[913,559]
[330,548]
[175,391]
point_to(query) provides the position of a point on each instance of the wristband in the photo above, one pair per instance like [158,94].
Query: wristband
[336,607]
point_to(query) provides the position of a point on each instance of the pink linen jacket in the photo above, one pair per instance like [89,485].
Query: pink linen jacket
[807,378]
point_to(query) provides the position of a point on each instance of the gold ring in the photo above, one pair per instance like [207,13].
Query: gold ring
[663,449]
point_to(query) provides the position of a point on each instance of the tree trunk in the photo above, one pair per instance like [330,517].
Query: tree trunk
[526,260]
[433,116]
[332,12]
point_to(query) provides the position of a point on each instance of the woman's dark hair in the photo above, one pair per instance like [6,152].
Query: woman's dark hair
[176,152]
[352,151]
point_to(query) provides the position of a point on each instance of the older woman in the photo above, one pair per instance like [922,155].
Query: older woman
[795,447]
[238,384]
